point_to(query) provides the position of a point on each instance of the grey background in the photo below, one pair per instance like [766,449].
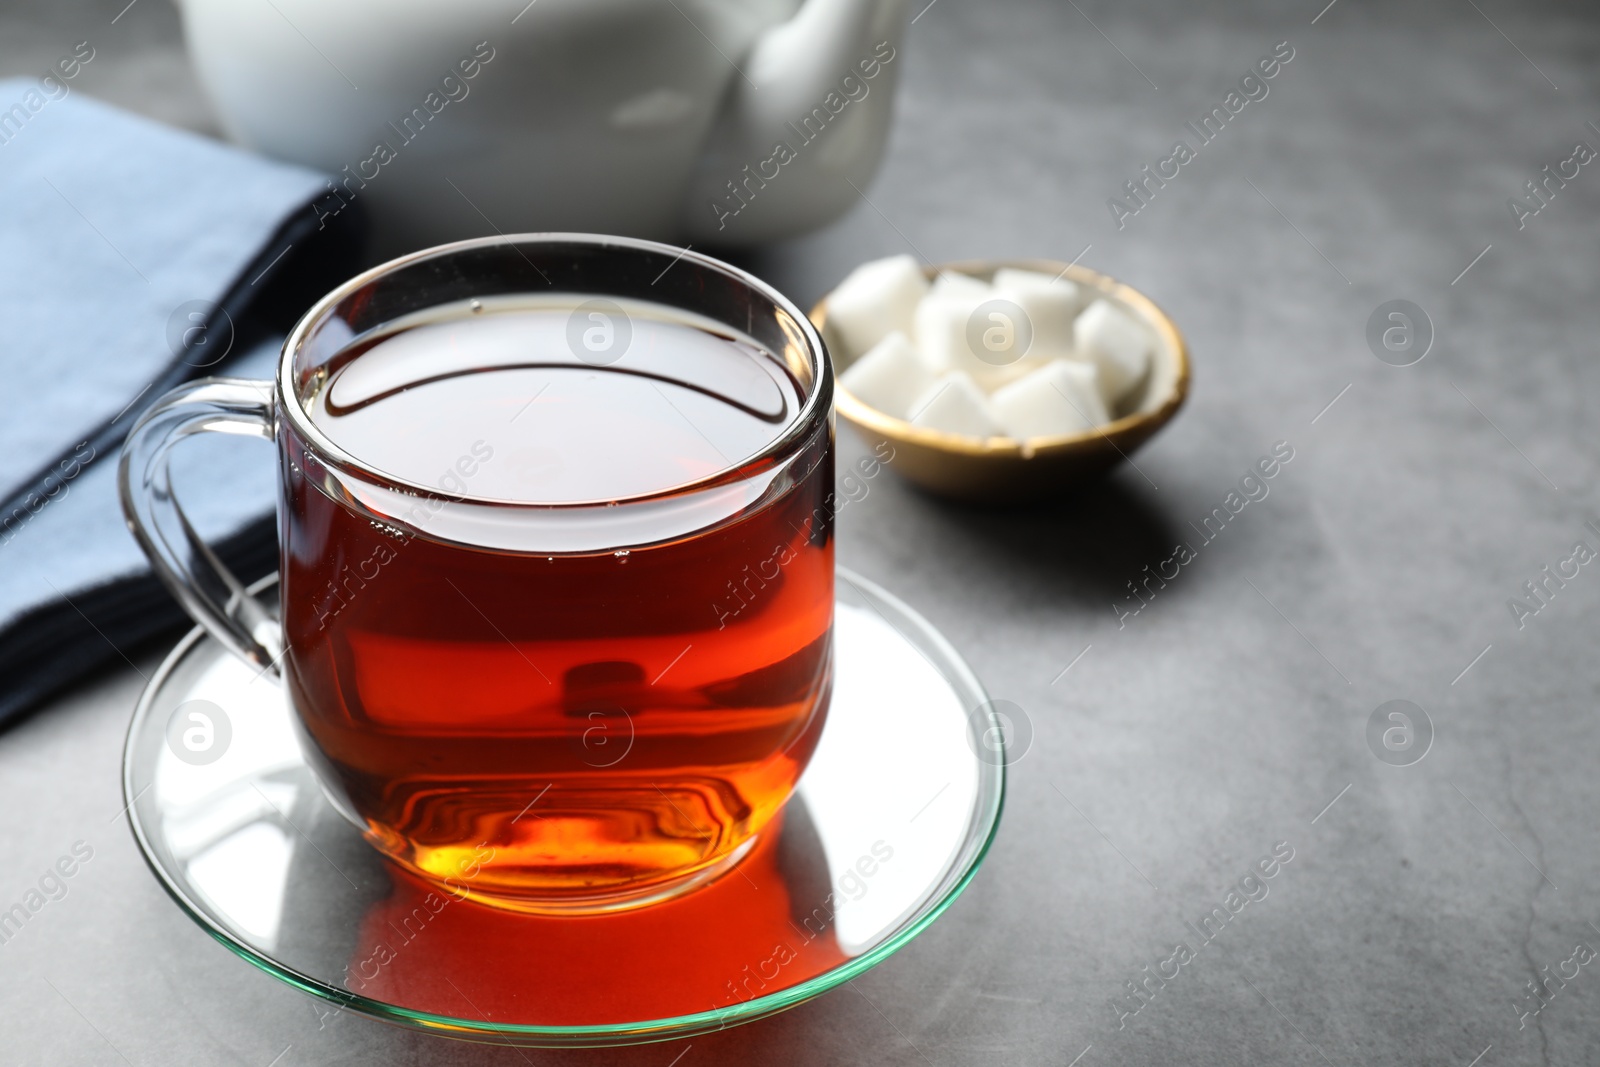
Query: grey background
[1220,720]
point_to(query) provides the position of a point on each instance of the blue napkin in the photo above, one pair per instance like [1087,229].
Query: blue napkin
[134,257]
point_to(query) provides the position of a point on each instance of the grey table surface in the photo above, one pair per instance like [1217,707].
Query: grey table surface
[1228,715]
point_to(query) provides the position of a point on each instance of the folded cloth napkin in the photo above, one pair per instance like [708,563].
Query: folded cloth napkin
[133,257]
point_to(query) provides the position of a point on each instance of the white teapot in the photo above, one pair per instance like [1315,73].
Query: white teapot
[718,122]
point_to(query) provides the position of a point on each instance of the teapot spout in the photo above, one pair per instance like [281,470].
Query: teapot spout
[803,126]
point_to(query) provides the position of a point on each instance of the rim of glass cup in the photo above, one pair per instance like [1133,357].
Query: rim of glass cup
[817,393]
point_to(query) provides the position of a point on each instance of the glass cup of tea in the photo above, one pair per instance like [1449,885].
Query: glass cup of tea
[556,559]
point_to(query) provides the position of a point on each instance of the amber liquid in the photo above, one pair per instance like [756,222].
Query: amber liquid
[558,728]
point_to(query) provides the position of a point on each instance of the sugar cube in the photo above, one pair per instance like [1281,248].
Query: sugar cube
[1119,346]
[955,325]
[876,299]
[955,404]
[940,324]
[890,377]
[1050,303]
[1062,397]
[951,283]
[1020,369]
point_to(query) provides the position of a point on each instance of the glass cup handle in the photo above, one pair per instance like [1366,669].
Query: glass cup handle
[207,590]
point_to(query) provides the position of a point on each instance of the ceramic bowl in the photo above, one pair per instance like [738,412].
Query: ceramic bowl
[1003,470]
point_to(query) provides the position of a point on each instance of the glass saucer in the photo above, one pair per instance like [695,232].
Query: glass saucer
[888,825]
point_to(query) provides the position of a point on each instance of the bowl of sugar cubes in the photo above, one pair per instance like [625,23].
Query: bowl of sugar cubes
[1001,382]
